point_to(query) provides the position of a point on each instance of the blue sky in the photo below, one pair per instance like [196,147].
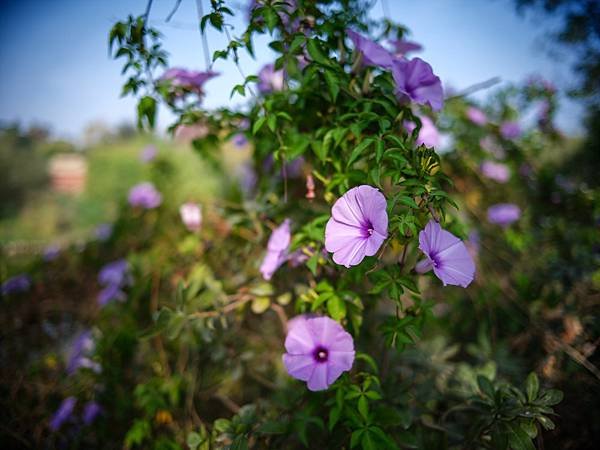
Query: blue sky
[55,69]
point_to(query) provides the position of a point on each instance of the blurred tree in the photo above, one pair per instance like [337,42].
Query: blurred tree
[22,164]
[580,31]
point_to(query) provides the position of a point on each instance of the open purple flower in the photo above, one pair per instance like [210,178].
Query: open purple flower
[446,254]
[318,350]
[145,195]
[358,225]
[495,171]
[277,250]
[416,81]
[402,47]
[51,252]
[510,130]
[63,413]
[372,53]
[269,79]
[429,136]
[16,285]
[91,410]
[503,214]
[476,116]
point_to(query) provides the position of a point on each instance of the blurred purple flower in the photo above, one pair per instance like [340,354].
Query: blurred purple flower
[318,351]
[476,116]
[116,272]
[191,216]
[189,80]
[503,214]
[104,231]
[51,253]
[91,410]
[358,225]
[63,413]
[16,285]
[372,53]
[495,171]
[446,254]
[402,47]
[489,144]
[110,293]
[429,136]
[144,195]
[240,140]
[148,153]
[416,81]
[277,250]
[269,79]
[81,350]
[510,130]
[247,178]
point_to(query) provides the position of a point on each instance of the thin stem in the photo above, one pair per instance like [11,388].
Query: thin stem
[175,8]
[476,87]
[147,12]
[203,34]
[226,309]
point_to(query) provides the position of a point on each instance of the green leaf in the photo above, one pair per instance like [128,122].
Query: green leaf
[359,149]
[332,84]
[518,438]
[550,397]
[485,386]
[146,110]
[532,386]
[363,407]
[336,307]
[258,124]
[316,53]
[546,422]
[355,438]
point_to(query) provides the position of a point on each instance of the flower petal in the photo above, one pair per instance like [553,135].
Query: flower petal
[299,366]
[300,339]
[318,379]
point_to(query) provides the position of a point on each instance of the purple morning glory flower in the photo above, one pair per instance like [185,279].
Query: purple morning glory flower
[429,136]
[503,214]
[277,250]
[116,272]
[16,285]
[91,410]
[416,81]
[318,350]
[495,171]
[144,195]
[191,216]
[402,47]
[358,225]
[510,130]
[190,80]
[63,413]
[476,116]
[372,53]
[104,231]
[446,254]
[148,153]
[269,79]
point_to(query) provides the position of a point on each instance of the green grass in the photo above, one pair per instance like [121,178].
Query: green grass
[112,170]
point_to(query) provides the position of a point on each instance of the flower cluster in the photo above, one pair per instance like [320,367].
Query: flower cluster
[414,78]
